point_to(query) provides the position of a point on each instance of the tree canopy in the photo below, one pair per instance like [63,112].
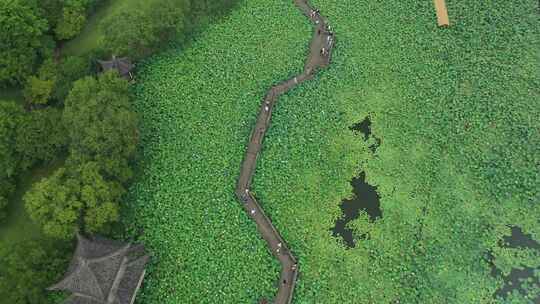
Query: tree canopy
[74,198]
[101,124]
[40,137]
[22,32]
[28,267]
[141,29]
[102,137]
[10,119]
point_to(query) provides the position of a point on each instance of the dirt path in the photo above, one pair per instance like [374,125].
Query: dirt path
[319,57]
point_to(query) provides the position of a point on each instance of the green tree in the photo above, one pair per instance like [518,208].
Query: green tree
[6,188]
[51,10]
[21,32]
[11,117]
[39,88]
[101,124]
[72,20]
[141,29]
[28,267]
[38,91]
[69,70]
[55,205]
[41,137]
[66,18]
[72,199]
[102,135]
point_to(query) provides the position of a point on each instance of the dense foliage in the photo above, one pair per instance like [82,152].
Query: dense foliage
[69,200]
[197,113]
[101,125]
[21,35]
[142,28]
[40,137]
[28,32]
[101,134]
[10,116]
[63,111]
[28,267]
[456,111]
[25,139]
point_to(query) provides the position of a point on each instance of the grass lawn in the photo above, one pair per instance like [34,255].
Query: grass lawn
[18,225]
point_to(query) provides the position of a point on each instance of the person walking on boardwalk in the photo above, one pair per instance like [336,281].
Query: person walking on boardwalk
[321,42]
[324,52]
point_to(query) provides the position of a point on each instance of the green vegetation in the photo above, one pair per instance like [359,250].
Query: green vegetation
[67,139]
[102,138]
[21,35]
[456,110]
[24,143]
[94,133]
[91,34]
[29,29]
[197,108]
[18,225]
[28,267]
[30,262]
[139,27]
[11,94]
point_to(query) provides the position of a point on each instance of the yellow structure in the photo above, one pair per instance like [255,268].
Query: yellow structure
[442,13]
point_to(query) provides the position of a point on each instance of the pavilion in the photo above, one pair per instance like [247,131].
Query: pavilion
[104,272]
[122,65]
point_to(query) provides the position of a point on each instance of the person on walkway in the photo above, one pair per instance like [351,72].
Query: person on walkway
[323,52]
[329,41]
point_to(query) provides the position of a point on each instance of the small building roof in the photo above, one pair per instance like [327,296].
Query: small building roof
[104,272]
[122,65]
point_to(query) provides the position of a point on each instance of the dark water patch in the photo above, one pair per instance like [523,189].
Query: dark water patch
[366,199]
[364,127]
[517,277]
[515,281]
[518,239]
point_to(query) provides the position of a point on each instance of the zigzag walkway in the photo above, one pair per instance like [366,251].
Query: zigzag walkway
[319,57]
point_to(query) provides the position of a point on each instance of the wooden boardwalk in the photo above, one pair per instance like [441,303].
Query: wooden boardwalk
[319,56]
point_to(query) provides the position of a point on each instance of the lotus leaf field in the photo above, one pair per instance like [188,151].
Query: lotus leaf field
[456,110]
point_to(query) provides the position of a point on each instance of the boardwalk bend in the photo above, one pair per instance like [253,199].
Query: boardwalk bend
[319,57]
